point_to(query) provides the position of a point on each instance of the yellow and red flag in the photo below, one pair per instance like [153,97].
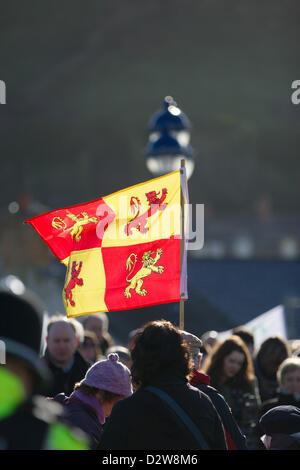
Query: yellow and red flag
[122,251]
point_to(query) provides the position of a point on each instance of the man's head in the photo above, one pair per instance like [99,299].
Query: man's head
[209,338]
[62,340]
[96,322]
[90,347]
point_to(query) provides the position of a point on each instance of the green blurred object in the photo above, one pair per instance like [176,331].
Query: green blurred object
[62,438]
[12,392]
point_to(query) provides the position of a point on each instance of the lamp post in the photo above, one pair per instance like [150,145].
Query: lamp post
[169,137]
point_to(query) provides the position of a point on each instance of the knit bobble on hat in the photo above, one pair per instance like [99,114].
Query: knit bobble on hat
[110,375]
[113,357]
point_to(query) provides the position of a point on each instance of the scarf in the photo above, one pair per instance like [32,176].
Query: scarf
[199,378]
[90,400]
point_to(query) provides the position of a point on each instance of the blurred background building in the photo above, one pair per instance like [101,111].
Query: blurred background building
[84,84]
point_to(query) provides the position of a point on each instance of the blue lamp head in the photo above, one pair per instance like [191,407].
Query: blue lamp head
[169,118]
[169,136]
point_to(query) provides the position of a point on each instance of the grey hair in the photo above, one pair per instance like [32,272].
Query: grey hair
[100,316]
[288,365]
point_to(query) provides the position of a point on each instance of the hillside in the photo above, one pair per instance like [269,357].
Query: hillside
[83,79]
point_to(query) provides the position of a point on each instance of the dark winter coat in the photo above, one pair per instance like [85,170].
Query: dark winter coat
[144,421]
[234,437]
[63,382]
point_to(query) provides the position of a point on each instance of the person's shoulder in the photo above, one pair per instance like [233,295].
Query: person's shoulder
[126,407]
[139,396]
[204,393]
[140,399]
[212,393]
[59,398]
[201,389]
[206,388]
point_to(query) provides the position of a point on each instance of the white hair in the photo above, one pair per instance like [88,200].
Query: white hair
[288,365]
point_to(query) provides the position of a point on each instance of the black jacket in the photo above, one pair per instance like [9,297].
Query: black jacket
[63,382]
[234,437]
[144,421]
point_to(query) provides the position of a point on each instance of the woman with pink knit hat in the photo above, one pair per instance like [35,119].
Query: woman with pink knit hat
[105,383]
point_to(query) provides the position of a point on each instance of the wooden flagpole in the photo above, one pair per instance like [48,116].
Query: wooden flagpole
[182,240]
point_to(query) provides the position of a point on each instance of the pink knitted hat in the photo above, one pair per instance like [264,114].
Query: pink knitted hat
[110,375]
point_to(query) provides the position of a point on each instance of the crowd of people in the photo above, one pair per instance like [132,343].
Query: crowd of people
[167,389]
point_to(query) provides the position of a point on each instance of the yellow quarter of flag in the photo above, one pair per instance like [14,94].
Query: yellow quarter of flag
[85,283]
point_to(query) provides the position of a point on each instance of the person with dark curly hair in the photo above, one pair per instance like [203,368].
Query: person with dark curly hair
[231,372]
[162,361]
